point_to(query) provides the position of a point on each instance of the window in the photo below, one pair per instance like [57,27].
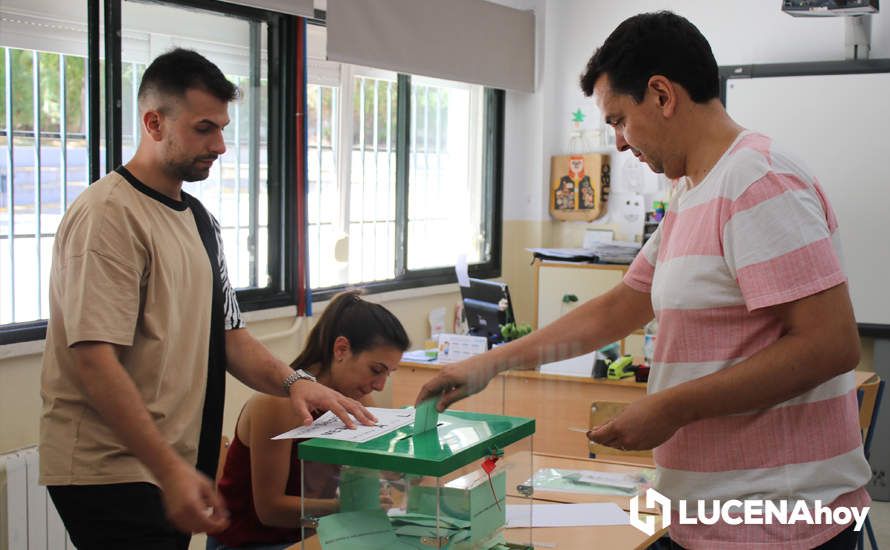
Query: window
[403,176]
[43,136]
[50,155]
[236,192]
[445,174]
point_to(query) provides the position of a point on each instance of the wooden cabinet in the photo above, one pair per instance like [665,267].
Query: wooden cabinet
[554,281]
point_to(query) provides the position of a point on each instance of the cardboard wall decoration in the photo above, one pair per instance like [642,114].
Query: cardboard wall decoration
[576,186]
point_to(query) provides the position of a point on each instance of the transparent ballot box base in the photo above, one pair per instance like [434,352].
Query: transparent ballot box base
[444,488]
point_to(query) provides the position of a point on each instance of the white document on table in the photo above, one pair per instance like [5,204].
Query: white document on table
[566,515]
[328,426]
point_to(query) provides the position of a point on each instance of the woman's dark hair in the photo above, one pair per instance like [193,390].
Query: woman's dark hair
[365,324]
[660,43]
[175,72]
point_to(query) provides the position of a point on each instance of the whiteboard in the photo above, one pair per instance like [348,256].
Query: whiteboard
[839,127]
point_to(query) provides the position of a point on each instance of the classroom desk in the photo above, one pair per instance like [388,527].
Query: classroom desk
[557,403]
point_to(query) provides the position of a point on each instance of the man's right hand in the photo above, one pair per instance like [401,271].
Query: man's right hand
[191,501]
[307,396]
[453,383]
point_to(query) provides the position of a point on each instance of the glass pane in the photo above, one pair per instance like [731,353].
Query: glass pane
[445,217]
[372,189]
[237,185]
[323,197]
[43,159]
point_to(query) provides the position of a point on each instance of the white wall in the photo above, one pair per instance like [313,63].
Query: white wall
[524,127]
[740,32]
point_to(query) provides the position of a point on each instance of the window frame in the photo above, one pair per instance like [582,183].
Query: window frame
[492,199]
[286,130]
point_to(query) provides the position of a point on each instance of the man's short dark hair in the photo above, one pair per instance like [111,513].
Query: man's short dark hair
[660,43]
[179,70]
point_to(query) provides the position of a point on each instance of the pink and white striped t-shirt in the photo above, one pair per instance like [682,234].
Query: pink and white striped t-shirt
[756,232]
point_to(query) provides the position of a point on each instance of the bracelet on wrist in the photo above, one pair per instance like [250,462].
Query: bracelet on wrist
[298,374]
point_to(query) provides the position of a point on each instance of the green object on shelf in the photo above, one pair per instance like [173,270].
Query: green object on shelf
[569,298]
[620,368]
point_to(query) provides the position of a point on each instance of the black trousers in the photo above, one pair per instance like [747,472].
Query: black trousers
[124,515]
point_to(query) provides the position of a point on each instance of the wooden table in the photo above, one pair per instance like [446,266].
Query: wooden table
[559,404]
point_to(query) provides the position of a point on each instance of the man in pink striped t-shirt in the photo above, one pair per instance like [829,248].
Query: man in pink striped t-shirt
[751,395]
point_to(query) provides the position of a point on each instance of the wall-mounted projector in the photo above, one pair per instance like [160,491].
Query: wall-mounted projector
[829,8]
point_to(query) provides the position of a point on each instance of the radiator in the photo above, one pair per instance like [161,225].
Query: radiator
[28,518]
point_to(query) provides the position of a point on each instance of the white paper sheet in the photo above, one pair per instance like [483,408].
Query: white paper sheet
[581,365]
[566,515]
[462,271]
[328,426]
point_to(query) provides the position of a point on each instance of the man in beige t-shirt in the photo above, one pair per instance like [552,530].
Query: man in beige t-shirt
[143,327]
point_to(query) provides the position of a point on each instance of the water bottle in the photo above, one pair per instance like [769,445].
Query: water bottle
[649,341]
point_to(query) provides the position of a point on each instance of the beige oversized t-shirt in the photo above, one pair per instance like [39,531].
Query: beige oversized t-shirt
[129,268]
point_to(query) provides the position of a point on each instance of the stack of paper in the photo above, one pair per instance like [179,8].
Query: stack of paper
[413,527]
[605,479]
[419,355]
[328,426]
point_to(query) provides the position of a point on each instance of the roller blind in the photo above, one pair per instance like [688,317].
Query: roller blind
[302,8]
[465,40]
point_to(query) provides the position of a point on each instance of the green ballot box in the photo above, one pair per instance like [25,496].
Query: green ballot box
[438,483]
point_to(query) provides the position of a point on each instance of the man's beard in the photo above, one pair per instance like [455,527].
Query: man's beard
[190,170]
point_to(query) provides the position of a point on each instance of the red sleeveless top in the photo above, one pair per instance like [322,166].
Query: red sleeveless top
[236,487]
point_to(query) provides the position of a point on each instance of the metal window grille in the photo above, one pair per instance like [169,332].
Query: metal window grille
[43,170]
[324,201]
[45,167]
[444,214]
[233,194]
[352,200]
[372,191]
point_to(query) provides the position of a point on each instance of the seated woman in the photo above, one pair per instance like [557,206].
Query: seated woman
[353,348]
